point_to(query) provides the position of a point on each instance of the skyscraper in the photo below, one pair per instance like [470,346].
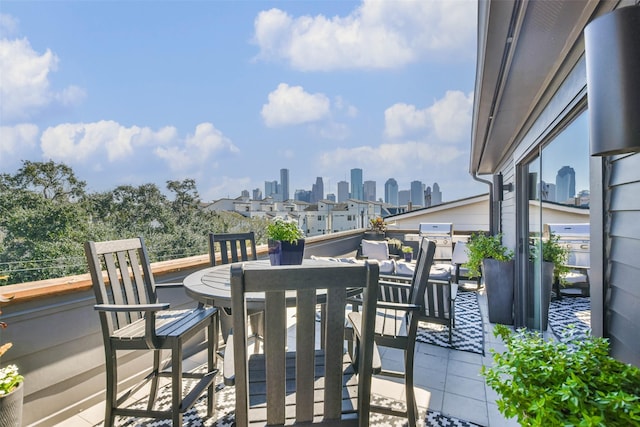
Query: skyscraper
[404,196]
[270,188]
[436,195]
[343,191]
[257,194]
[565,184]
[417,193]
[391,192]
[284,184]
[369,190]
[317,190]
[356,184]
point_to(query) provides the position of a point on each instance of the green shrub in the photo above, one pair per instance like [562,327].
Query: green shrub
[481,246]
[545,383]
[284,230]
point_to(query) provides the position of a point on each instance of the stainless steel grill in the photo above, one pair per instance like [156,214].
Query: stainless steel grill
[442,234]
[574,237]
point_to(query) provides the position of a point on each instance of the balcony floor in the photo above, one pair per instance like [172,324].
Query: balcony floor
[447,381]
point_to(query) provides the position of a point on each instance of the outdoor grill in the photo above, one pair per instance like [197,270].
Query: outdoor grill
[575,237]
[442,235]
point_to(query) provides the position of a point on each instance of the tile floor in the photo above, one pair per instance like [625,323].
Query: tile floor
[447,381]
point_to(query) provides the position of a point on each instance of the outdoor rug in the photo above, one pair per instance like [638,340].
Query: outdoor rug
[225,406]
[570,318]
[468,333]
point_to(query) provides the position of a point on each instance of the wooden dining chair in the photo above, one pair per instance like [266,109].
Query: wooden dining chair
[133,319]
[226,248]
[404,303]
[302,381]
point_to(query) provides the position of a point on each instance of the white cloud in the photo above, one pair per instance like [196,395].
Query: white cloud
[401,119]
[25,88]
[225,187]
[25,83]
[447,120]
[197,149]
[291,105]
[8,25]
[378,34]
[17,139]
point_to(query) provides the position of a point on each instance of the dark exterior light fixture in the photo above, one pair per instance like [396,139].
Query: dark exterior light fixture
[612,48]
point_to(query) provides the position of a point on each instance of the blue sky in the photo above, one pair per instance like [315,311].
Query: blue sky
[230,92]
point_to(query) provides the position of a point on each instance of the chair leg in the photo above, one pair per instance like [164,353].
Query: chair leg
[176,382]
[212,347]
[153,392]
[112,386]
[412,406]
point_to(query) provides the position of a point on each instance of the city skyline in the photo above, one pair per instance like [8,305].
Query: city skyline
[430,195]
[220,92]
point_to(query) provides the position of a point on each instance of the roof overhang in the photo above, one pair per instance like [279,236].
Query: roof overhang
[525,50]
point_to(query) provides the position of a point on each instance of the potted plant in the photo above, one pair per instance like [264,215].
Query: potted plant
[544,382]
[489,258]
[407,251]
[377,229]
[285,242]
[11,387]
[554,260]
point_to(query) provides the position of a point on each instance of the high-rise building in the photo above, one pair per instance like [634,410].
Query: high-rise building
[565,184]
[436,195]
[369,191]
[331,197]
[284,184]
[391,192]
[427,197]
[343,191]
[257,194]
[317,190]
[417,193]
[404,196]
[303,195]
[270,188]
[244,194]
[356,184]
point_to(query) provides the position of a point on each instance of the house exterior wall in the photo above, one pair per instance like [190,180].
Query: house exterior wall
[614,185]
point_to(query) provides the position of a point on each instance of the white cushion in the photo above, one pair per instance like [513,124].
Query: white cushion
[375,249]
[386,266]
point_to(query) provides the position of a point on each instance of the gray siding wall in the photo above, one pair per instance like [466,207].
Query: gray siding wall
[622,265]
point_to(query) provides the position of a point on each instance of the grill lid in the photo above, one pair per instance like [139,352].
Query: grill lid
[568,231]
[436,228]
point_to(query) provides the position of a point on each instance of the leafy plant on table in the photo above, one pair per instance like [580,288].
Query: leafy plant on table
[378,225]
[481,246]
[553,251]
[545,383]
[407,249]
[284,230]
[9,375]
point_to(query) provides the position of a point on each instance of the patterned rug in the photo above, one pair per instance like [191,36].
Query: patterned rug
[468,333]
[570,318]
[225,403]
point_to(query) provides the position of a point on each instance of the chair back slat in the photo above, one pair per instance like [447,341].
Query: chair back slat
[279,284]
[129,280]
[232,247]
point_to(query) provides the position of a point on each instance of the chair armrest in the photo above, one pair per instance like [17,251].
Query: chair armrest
[399,285]
[132,307]
[394,278]
[398,306]
[356,321]
[169,285]
[394,256]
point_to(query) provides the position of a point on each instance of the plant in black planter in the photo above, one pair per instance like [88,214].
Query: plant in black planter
[407,251]
[554,259]
[11,387]
[488,254]
[546,383]
[286,242]
[377,229]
